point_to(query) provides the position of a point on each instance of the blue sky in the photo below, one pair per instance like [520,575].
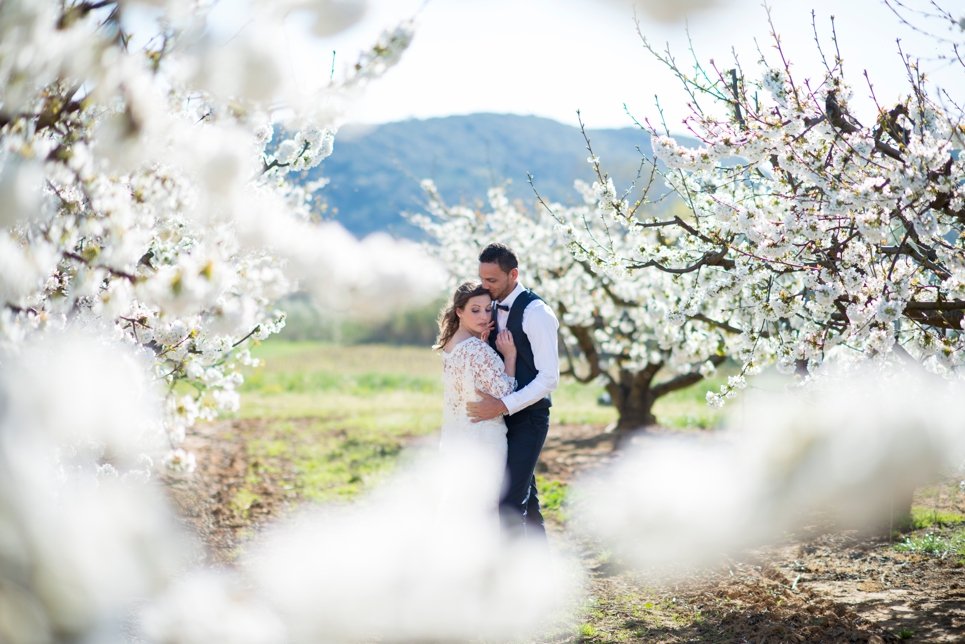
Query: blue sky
[552,57]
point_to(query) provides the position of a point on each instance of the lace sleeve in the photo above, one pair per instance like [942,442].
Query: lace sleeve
[487,371]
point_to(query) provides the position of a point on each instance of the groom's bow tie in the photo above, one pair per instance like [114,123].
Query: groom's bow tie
[504,307]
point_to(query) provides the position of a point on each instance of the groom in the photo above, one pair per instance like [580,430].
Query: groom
[534,328]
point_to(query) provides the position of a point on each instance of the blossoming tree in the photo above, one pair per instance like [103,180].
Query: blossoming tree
[142,191]
[820,230]
[627,333]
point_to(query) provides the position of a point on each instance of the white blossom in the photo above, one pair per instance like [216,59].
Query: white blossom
[823,231]
[21,182]
[850,447]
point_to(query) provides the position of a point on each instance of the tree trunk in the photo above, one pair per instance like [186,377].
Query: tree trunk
[633,398]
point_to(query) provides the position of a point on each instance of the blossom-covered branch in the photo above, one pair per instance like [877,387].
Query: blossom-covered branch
[823,231]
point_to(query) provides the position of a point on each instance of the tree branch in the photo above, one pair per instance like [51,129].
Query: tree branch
[954,305]
[700,317]
[113,271]
[684,380]
[709,258]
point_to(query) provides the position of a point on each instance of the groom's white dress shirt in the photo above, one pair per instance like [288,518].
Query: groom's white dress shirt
[540,326]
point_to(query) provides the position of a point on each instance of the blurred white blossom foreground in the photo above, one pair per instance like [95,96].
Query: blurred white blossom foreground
[150,216]
[84,532]
[849,447]
[421,559]
[90,550]
[409,563]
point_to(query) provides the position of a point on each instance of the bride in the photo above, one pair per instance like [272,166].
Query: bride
[469,363]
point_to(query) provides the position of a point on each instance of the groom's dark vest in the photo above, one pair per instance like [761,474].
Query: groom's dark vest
[525,365]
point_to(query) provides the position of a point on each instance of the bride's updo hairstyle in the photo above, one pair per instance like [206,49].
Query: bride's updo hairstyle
[448,321]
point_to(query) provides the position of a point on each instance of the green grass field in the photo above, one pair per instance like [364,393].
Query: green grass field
[340,415]
[402,387]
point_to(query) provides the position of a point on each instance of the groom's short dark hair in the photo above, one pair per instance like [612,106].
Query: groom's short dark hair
[499,254]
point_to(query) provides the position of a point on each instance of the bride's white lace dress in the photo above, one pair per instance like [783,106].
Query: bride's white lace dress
[472,364]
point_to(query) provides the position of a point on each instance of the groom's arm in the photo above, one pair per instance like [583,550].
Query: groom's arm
[540,327]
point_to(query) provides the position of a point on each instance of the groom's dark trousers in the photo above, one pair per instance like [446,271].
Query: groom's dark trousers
[519,507]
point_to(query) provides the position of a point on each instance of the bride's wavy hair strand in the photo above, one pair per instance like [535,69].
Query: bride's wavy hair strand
[448,320]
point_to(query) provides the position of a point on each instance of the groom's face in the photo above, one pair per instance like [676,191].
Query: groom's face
[494,280]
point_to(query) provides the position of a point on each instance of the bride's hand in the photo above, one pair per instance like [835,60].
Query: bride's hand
[484,336]
[505,344]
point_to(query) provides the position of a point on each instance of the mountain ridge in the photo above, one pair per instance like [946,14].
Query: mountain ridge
[375,171]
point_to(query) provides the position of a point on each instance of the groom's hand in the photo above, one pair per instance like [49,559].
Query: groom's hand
[487,408]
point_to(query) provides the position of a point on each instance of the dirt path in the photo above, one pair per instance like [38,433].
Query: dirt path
[822,587]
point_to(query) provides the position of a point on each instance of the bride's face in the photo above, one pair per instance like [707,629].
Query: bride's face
[475,316]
